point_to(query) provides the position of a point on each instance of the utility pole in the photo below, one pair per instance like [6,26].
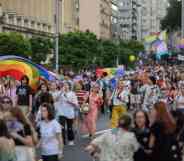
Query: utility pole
[56,19]
[182,20]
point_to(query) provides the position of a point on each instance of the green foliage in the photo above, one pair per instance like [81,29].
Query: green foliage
[76,49]
[41,48]
[81,49]
[14,44]
[172,21]
[108,54]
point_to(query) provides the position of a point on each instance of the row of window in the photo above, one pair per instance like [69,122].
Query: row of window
[21,21]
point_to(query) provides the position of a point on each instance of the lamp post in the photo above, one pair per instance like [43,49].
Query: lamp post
[182,19]
[56,19]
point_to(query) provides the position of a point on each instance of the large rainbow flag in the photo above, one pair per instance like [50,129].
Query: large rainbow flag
[16,67]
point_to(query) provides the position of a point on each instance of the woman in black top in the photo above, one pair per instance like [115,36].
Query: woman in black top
[142,133]
[24,96]
[163,145]
[43,96]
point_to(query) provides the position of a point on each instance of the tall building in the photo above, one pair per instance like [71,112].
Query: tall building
[36,17]
[95,16]
[115,20]
[151,14]
[126,10]
[69,18]
[27,16]
[139,18]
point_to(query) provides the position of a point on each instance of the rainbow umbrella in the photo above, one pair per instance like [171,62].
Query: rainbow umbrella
[16,67]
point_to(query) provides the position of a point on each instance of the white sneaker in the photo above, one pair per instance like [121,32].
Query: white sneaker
[71,143]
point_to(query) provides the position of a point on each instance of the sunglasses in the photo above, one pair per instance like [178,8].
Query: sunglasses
[6,102]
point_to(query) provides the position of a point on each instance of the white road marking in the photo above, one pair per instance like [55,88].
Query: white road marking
[97,133]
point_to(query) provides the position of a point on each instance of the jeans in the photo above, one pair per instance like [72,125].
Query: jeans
[50,158]
[65,122]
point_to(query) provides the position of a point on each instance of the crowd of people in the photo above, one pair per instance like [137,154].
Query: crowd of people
[145,110]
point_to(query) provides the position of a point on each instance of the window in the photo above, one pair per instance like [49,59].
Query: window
[26,23]
[19,21]
[32,24]
[121,4]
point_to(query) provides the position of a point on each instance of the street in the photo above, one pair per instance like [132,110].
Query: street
[77,153]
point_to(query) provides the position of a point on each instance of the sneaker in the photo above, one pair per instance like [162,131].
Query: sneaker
[71,143]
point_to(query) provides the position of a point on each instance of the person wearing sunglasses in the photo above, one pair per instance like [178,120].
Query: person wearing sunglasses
[6,103]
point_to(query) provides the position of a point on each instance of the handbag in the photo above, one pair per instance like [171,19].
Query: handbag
[85,108]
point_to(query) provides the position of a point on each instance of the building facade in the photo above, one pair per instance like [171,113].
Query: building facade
[27,16]
[105,19]
[95,16]
[126,10]
[151,14]
[115,20]
[69,18]
[139,18]
[36,17]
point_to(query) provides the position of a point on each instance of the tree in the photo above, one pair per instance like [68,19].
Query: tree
[78,49]
[14,44]
[172,21]
[41,48]
[109,53]
[82,49]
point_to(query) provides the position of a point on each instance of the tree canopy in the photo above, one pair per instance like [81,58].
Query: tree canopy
[80,49]
[41,48]
[14,44]
[76,49]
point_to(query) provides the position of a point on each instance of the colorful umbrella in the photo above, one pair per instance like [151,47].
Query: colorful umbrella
[16,67]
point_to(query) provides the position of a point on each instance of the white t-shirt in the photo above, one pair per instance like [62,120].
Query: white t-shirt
[66,109]
[180,99]
[49,142]
[56,96]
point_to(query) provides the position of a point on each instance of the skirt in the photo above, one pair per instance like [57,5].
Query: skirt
[25,153]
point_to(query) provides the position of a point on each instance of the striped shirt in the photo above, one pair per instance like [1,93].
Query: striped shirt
[81,96]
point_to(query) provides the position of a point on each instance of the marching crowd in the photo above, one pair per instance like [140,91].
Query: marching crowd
[145,107]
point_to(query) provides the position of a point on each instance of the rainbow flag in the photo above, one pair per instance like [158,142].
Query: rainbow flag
[16,67]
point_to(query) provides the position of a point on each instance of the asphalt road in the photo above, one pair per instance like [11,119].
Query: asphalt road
[77,153]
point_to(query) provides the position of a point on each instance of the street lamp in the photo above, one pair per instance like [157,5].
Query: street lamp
[56,19]
[182,19]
